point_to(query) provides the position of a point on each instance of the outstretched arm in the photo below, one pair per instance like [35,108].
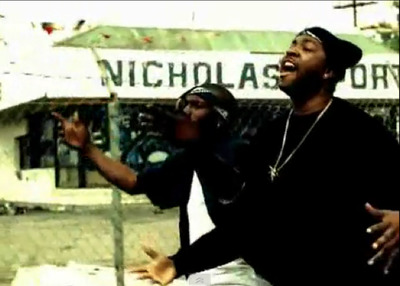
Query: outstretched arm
[112,170]
[211,250]
[160,183]
[76,135]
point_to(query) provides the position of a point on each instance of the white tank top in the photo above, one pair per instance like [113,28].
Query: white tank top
[237,272]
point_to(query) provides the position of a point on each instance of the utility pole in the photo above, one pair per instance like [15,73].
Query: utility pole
[354,6]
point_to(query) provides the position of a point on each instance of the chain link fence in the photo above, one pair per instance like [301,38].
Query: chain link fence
[73,223]
[56,209]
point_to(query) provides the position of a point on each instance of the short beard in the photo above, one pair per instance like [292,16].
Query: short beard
[303,89]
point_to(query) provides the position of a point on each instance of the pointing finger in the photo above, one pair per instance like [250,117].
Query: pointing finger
[146,275]
[390,261]
[59,117]
[387,236]
[150,252]
[378,227]
[138,269]
[373,211]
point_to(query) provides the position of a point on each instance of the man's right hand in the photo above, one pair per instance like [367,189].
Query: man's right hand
[74,133]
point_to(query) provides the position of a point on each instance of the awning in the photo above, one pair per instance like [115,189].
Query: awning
[269,42]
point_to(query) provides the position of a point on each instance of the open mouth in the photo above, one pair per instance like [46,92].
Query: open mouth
[287,67]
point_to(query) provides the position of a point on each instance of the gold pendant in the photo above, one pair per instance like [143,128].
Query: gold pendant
[273,173]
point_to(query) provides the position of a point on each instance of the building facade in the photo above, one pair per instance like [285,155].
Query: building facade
[148,69]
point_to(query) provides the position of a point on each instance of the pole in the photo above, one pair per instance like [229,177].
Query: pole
[354,6]
[355,13]
[114,138]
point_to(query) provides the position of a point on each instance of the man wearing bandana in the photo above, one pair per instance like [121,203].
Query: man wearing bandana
[198,173]
[303,214]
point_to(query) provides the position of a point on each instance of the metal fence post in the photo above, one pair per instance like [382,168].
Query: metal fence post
[114,138]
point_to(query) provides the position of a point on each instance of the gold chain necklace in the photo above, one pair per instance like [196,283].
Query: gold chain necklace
[274,171]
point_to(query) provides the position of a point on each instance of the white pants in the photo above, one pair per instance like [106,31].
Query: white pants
[235,273]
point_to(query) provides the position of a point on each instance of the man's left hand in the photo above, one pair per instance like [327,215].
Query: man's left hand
[161,269]
[387,229]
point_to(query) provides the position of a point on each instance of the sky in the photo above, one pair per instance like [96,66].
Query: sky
[254,15]
[16,17]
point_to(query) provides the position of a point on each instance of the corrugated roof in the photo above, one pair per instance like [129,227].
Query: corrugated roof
[114,37]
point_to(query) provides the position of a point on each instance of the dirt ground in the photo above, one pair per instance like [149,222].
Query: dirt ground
[82,235]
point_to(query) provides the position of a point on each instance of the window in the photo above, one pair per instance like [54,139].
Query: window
[37,148]
[24,155]
[67,157]
[47,143]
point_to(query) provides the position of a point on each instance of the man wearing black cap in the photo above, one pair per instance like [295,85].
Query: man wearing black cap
[301,219]
[199,174]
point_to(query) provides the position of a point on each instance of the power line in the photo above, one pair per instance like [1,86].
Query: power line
[354,6]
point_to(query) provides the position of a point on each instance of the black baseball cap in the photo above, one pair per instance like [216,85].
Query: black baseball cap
[340,54]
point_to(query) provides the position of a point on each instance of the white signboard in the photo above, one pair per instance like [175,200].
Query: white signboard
[168,74]
[74,73]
